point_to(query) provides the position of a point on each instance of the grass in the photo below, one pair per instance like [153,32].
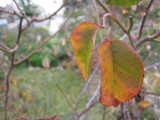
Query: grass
[34,94]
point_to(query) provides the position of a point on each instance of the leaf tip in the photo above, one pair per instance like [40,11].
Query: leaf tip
[86,79]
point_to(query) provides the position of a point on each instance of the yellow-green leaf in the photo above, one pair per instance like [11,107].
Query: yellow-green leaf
[123,2]
[122,72]
[82,40]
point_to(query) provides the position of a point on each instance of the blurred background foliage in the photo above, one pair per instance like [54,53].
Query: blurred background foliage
[34,91]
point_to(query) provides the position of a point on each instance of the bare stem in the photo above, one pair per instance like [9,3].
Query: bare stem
[46,40]
[65,96]
[144,19]
[53,14]
[49,117]
[98,18]
[148,38]
[152,66]
[23,14]
[151,93]
[88,108]
[117,21]
[82,92]
[123,111]
[104,24]
[9,71]
[8,49]
[131,24]
[104,113]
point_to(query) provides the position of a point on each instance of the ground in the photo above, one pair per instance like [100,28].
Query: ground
[35,93]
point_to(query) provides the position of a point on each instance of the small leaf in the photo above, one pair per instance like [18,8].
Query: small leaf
[123,2]
[29,47]
[122,72]
[144,104]
[82,40]
[124,11]
[14,81]
[56,50]
[64,42]
[45,61]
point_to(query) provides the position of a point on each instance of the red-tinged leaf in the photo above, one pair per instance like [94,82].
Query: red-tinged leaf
[82,40]
[122,72]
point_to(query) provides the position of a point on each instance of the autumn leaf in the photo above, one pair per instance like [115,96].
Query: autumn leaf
[124,11]
[122,2]
[82,40]
[14,81]
[122,72]
[64,42]
[144,104]
[29,47]
[45,61]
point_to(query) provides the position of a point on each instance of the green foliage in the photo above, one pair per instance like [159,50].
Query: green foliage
[122,2]
[148,114]
[72,4]
[35,94]
[10,38]
[30,40]
[35,91]
[29,8]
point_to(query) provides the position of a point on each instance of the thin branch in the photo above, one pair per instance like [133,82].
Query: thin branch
[148,38]
[46,40]
[10,69]
[53,14]
[65,96]
[92,98]
[8,49]
[104,113]
[10,12]
[128,114]
[23,14]
[88,108]
[28,24]
[147,58]
[152,66]
[144,18]
[156,40]
[36,49]
[141,49]
[82,92]
[151,93]
[21,118]
[131,24]
[123,111]
[2,67]
[35,19]
[104,23]
[98,19]
[117,21]
[103,6]
[1,95]
[2,49]
[94,95]
[4,46]
[53,117]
